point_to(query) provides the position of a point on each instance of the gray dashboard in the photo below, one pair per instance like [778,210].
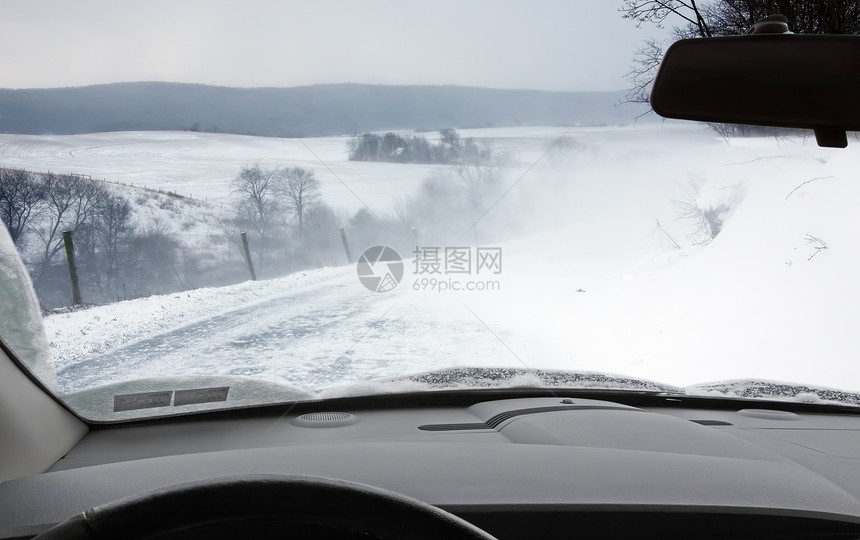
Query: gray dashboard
[530,452]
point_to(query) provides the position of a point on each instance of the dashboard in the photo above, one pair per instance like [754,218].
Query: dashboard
[517,467]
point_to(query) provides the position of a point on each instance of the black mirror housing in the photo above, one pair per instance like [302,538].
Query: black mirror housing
[780,80]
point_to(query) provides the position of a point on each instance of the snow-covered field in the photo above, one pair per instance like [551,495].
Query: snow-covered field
[201,165]
[589,281]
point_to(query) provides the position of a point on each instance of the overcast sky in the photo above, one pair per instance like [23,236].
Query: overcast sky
[541,44]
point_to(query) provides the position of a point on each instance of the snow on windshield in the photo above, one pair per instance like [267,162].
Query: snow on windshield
[21,324]
[660,252]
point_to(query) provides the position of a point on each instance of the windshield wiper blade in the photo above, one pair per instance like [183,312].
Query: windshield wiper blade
[775,391]
[482,377]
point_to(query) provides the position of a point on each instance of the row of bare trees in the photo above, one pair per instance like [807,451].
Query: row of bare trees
[280,208]
[116,257]
[290,227]
[394,148]
[282,211]
[266,193]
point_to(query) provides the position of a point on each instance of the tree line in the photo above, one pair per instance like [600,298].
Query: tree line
[394,148]
[281,209]
[117,258]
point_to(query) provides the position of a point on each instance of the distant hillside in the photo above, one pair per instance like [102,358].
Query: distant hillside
[301,111]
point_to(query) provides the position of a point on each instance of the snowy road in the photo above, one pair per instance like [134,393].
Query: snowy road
[329,332]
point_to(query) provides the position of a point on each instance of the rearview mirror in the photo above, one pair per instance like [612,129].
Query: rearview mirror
[781,80]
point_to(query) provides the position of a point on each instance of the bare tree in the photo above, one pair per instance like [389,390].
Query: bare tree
[688,21]
[70,201]
[449,136]
[21,195]
[646,60]
[115,228]
[104,240]
[152,261]
[475,163]
[656,12]
[321,232]
[299,189]
[256,204]
[734,17]
[365,147]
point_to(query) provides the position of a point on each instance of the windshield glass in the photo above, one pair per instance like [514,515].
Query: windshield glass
[332,199]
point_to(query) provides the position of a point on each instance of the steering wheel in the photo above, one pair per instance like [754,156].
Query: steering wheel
[266,506]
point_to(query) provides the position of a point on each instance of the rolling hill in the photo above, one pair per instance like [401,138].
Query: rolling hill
[297,112]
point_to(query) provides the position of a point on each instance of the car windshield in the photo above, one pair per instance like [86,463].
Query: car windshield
[223,204]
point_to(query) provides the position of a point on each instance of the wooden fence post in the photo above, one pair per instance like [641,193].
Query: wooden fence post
[73,269]
[415,249]
[248,257]
[345,245]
